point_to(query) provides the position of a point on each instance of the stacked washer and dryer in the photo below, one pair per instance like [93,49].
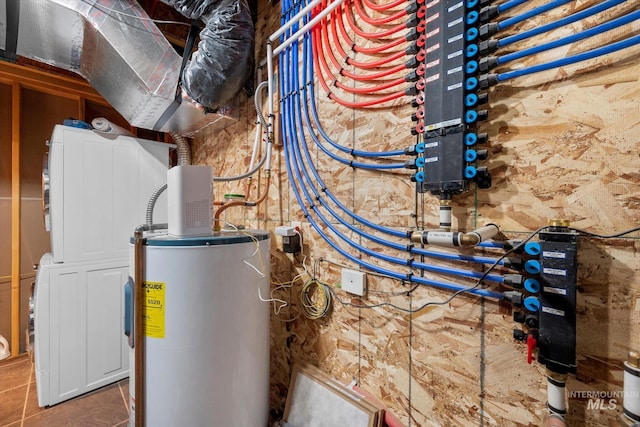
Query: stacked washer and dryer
[95,192]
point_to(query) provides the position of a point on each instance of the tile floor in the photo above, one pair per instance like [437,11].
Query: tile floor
[19,402]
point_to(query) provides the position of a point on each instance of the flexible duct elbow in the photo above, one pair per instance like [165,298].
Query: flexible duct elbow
[183,149]
[455,238]
[224,60]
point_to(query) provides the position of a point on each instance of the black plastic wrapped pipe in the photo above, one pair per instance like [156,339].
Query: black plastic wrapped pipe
[224,60]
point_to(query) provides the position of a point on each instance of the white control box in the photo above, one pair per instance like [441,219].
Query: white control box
[190,200]
[354,282]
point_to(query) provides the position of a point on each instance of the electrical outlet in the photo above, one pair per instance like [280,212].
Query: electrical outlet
[354,282]
[297,224]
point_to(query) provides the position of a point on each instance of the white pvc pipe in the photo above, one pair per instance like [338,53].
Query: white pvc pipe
[556,396]
[270,98]
[487,232]
[306,27]
[441,238]
[273,37]
[445,217]
[257,138]
[631,403]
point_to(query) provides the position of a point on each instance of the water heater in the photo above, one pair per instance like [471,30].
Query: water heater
[206,338]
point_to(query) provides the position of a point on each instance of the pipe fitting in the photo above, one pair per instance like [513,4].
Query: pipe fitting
[455,238]
[556,400]
[631,403]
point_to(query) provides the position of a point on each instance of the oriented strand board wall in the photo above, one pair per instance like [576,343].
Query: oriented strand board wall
[563,143]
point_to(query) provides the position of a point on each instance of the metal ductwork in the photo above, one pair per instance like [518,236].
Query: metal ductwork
[124,56]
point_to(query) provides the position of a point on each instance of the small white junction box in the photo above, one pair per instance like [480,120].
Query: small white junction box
[354,282]
[190,200]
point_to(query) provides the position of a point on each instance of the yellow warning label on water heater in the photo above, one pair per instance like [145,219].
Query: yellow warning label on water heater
[154,309]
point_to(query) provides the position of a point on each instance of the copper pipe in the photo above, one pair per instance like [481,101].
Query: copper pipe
[247,192]
[225,206]
[216,217]
[266,191]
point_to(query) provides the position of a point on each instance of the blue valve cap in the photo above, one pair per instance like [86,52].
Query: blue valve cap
[470,139]
[532,266]
[470,116]
[532,285]
[532,304]
[470,155]
[532,248]
[470,172]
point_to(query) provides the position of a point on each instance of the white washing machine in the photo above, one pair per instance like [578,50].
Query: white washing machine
[95,191]
[78,315]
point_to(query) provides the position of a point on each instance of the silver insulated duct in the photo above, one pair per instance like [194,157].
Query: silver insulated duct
[119,51]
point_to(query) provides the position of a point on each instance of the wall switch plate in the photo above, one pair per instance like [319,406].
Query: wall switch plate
[354,282]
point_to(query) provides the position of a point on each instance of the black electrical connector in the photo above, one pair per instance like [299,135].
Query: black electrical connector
[487,30]
[487,13]
[412,63]
[412,77]
[412,49]
[487,80]
[412,22]
[513,280]
[487,47]
[410,164]
[411,91]
[514,263]
[412,8]
[412,35]
[488,63]
[514,297]
[411,151]
[511,245]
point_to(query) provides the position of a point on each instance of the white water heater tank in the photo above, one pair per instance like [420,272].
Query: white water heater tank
[206,331]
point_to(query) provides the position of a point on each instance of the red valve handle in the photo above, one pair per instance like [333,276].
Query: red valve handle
[531,344]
